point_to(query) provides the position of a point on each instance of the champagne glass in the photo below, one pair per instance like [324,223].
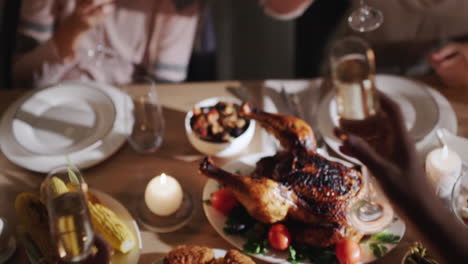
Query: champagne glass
[64,193]
[100,50]
[365,18]
[144,115]
[353,74]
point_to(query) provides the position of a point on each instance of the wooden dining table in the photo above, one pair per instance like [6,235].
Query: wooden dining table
[125,174]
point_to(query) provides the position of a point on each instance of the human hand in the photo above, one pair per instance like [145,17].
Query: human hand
[103,254]
[90,13]
[86,15]
[402,178]
[451,64]
[103,251]
[398,169]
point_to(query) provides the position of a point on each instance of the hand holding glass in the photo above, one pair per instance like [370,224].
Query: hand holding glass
[353,70]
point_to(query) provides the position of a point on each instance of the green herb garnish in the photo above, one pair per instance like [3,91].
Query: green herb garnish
[294,255]
[378,249]
[256,247]
[387,238]
[316,255]
[377,243]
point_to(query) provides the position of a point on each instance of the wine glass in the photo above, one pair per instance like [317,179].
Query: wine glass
[64,193]
[353,73]
[365,18]
[100,50]
[144,115]
[459,197]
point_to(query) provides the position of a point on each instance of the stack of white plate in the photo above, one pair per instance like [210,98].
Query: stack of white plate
[85,122]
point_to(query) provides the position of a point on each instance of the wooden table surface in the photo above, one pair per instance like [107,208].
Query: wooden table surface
[124,175]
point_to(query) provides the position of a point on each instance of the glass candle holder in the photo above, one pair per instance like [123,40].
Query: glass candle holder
[165,206]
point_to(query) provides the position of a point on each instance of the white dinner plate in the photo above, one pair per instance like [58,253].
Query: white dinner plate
[423,108]
[82,120]
[218,253]
[245,166]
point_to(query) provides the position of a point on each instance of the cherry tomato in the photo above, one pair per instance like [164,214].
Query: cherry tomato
[223,201]
[279,237]
[348,251]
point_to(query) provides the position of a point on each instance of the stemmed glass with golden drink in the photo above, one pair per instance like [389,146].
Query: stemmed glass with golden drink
[353,74]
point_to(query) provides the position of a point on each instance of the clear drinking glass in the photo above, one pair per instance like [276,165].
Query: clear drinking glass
[459,199]
[353,74]
[145,116]
[100,50]
[65,194]
[365,18]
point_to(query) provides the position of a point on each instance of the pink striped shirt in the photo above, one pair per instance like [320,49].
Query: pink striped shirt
[150,34]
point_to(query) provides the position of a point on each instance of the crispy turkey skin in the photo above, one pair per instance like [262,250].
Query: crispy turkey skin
[296,185]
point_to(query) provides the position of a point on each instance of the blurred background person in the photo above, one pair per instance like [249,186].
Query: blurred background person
[412,30]
[109,41]
[451,64]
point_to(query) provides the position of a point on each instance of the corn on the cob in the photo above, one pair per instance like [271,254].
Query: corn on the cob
[53,188]
[114,231]
[33,216]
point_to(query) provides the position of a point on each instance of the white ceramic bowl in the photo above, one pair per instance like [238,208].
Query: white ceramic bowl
[219,149]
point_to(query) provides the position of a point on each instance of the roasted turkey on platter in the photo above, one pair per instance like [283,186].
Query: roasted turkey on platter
[296,185]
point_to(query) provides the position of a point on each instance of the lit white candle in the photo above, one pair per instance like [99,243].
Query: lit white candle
[443,166]
[163,195]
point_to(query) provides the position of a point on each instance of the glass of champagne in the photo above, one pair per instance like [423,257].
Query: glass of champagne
[365,18]
[64,193]
[353,75]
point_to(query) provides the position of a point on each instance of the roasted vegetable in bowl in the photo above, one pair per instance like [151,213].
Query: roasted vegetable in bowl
[218,123]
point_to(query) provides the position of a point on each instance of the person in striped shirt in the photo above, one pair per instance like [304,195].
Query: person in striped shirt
[111,40]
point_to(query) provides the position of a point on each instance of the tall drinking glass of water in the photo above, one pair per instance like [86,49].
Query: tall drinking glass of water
[65,194]
[353,74]
[144,116]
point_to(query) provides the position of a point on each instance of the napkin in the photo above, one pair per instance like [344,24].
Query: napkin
[307,94]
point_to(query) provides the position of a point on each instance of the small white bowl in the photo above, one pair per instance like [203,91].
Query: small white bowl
[219,149]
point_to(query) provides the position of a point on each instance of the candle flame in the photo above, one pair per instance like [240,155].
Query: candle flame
[163,178]
[445,152]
